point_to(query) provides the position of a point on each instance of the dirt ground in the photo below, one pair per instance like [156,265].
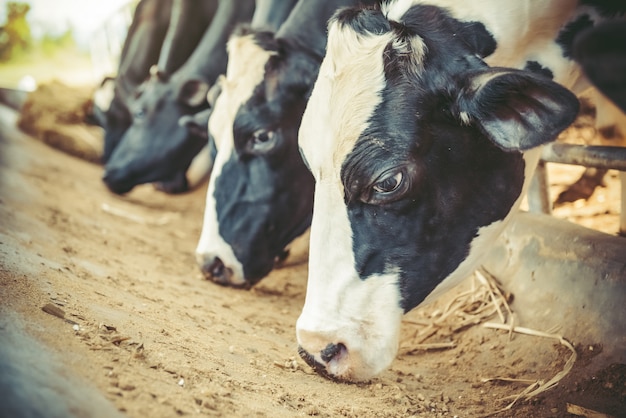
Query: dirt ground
[143,329]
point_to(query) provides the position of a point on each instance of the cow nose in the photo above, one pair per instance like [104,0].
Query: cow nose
[213,269]
[332,358]
[333,352]
[116,182]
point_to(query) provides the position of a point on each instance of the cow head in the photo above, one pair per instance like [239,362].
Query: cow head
[418,152]
[260,192]
[156,148]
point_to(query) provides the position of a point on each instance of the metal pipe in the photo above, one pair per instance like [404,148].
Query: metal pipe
[539,192]
[586,155]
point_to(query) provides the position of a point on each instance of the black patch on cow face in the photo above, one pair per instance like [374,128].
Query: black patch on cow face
[264,193]
[434,25]
[535,67]
[419,183]
[450,178]
[155,148]
[431,23]
[568,34]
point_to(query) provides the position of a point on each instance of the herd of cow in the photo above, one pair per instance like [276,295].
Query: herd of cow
[402,132]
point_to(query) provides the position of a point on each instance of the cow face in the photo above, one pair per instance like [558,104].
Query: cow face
[260,192]
[156,147]
[417,149]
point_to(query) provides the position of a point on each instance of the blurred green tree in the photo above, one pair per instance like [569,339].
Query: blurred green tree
[15,36]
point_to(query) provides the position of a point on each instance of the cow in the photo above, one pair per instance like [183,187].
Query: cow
[162,33]
[422,131]
[140,51]
[601,51]
[260,194]
[156,148]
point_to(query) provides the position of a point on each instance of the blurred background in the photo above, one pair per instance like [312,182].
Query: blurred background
[77,42]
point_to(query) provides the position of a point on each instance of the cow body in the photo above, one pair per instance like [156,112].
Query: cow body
[260,192]
[156,147]
[422,133]
[163,33]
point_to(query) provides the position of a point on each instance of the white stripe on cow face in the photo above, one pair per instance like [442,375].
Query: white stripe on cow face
[362,315]
[246,70]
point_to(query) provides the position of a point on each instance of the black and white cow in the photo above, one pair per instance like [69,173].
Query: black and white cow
[601,52]
[156,147]
[422,133]
[140,51]
[163,33]
[260,194]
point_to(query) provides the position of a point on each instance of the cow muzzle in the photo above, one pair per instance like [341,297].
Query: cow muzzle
[214,269]
[338,361]
[332,353]
[342,347]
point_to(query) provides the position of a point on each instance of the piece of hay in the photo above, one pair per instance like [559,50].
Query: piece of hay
[482,301]
[585,412]
[539,386]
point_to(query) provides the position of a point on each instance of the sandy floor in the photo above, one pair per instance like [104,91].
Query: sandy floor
[152,339]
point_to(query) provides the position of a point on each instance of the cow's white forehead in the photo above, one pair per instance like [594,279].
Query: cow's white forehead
[346,93]
[245,71]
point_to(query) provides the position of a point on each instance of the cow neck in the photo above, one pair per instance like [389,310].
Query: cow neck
[213,42]
[125,86]
[306,26]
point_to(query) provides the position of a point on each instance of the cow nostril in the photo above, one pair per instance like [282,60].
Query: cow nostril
[333,351]
[215,268]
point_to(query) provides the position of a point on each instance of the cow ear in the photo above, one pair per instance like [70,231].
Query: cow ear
[517,110]
[193,93]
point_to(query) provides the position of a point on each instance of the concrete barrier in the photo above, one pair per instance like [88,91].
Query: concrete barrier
[562,274]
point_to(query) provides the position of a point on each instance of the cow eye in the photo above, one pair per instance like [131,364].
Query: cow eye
[263,140]
[389,184]
[389,187]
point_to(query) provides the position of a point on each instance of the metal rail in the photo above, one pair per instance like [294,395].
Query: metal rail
[613,158]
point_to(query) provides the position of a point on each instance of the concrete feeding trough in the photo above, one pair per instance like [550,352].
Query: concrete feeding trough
[566,276]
